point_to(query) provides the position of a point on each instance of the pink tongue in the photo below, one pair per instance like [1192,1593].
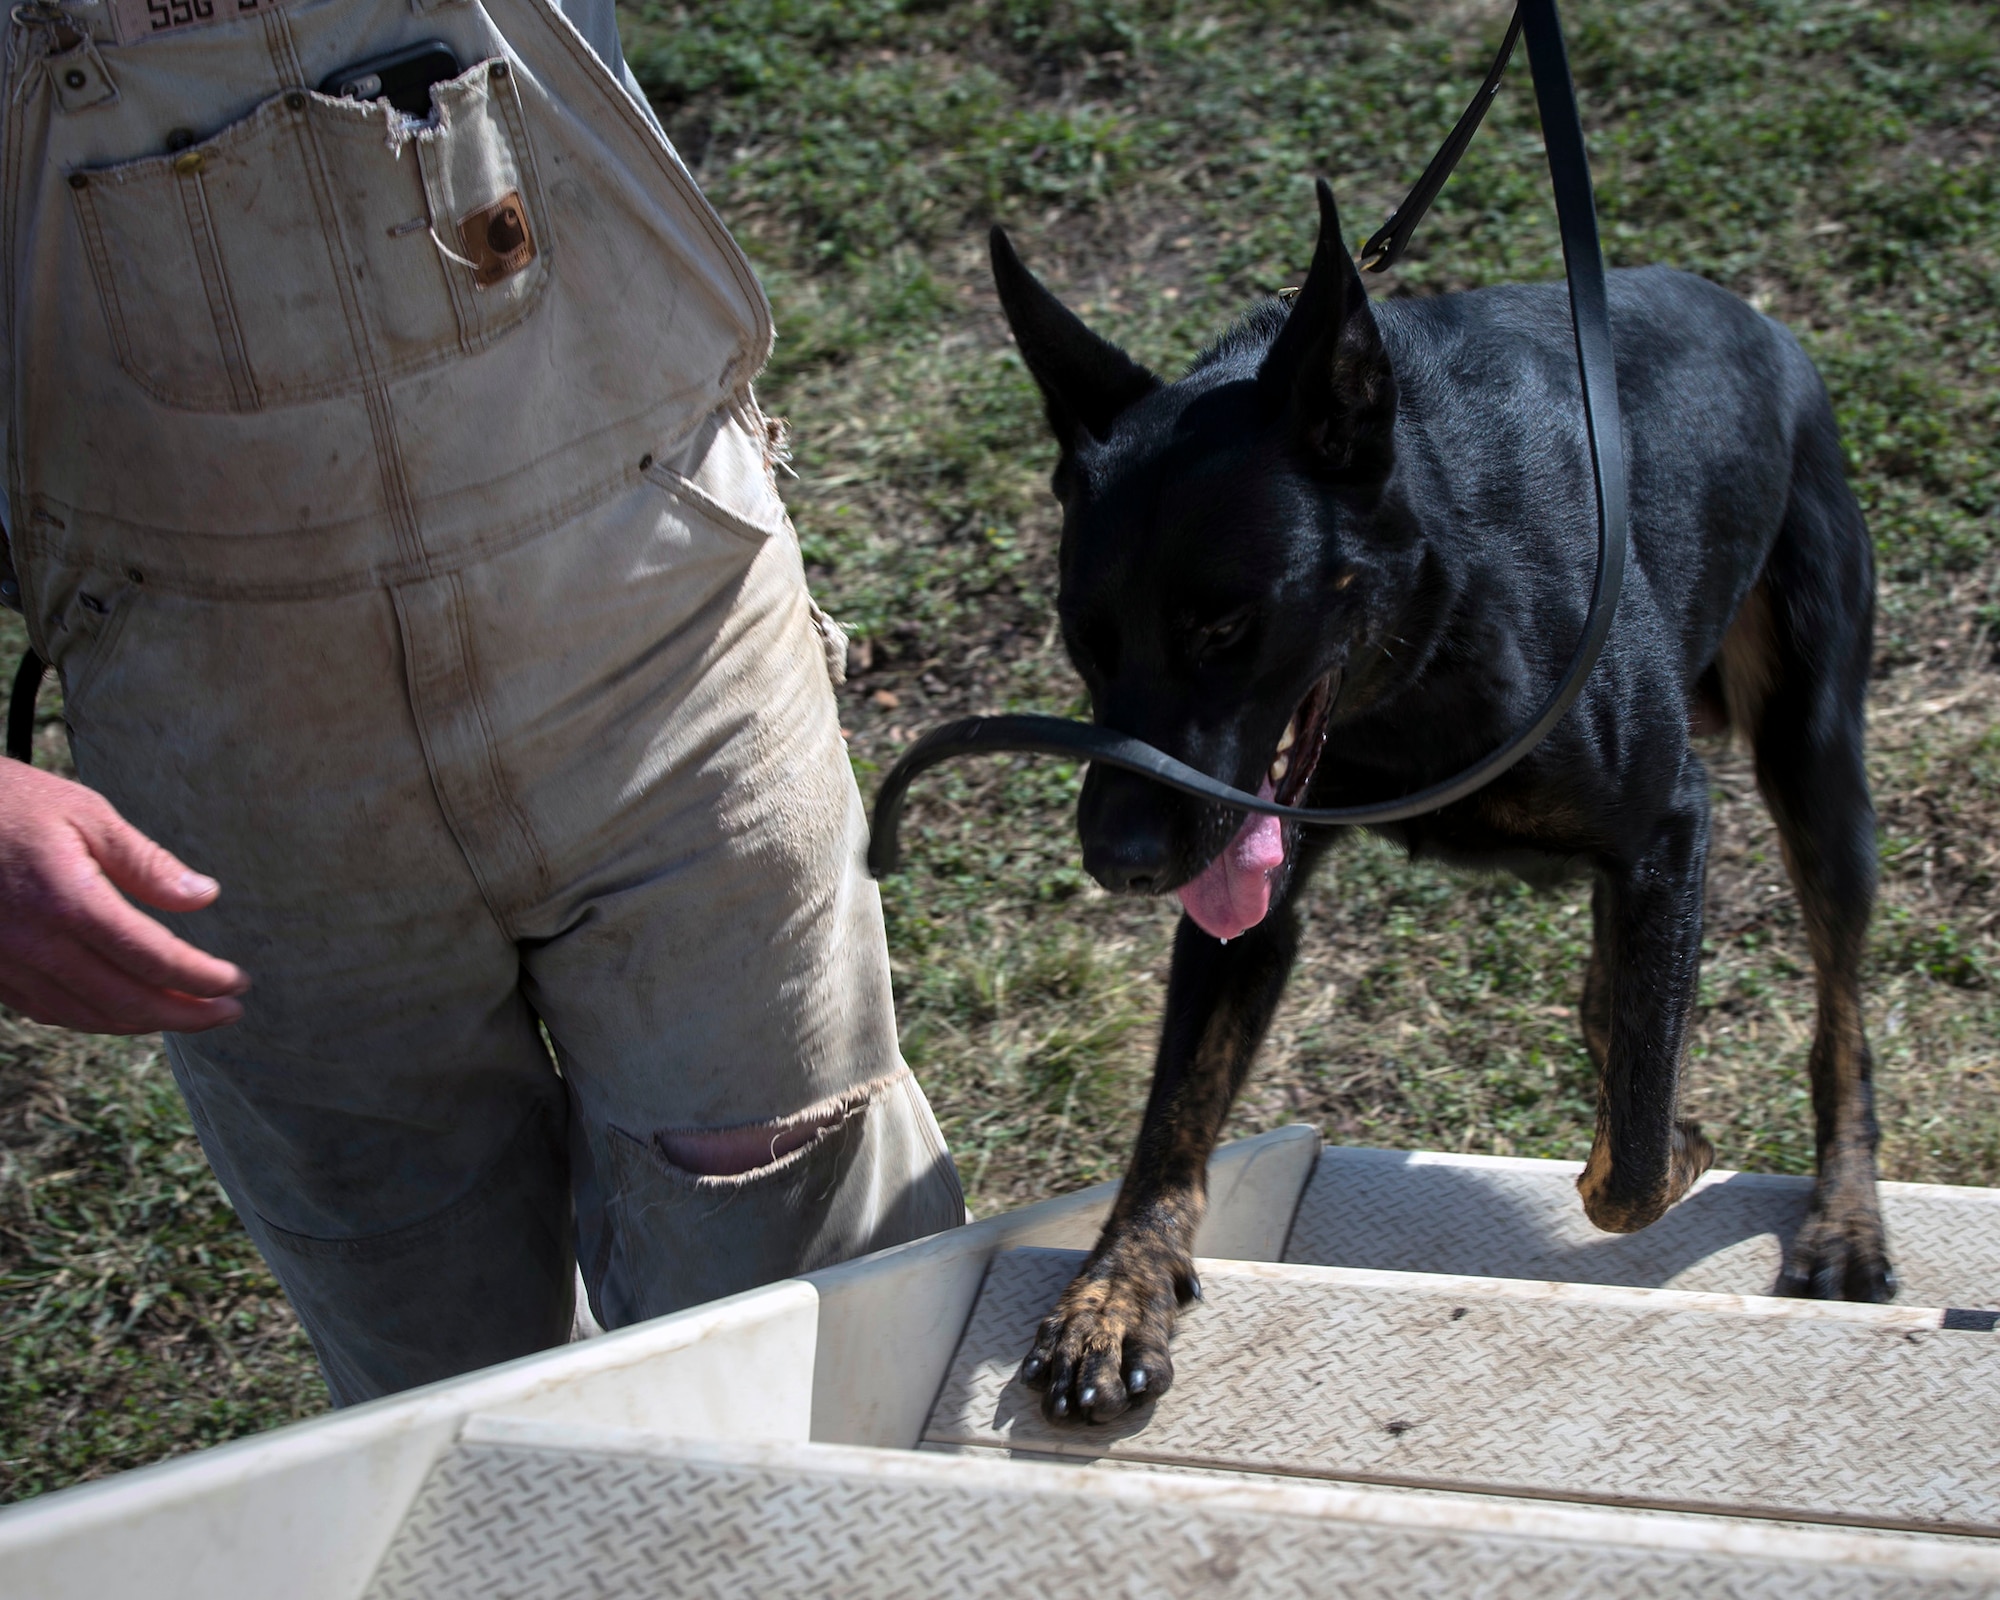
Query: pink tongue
[1234,891]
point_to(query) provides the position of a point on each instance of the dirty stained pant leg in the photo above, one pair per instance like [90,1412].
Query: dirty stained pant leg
[595,785]
[455,624]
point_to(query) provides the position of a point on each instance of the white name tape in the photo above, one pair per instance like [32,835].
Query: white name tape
[134,20]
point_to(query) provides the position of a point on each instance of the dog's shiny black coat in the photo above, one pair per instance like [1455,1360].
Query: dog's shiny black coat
[1397,496]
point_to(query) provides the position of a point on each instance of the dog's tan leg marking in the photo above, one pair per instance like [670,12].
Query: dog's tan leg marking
[1748,664]
[1116,1318]
[1106,1343]
[1646,931]
[1809,767]
[1692,1156]
[1596,1009]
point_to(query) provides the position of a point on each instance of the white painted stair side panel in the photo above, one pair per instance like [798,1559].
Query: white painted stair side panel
[306,1511]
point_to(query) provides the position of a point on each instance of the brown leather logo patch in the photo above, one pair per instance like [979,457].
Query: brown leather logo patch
[496,240]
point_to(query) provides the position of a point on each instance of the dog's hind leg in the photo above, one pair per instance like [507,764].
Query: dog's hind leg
[1795,669]
[1105,1344]
[1638,993]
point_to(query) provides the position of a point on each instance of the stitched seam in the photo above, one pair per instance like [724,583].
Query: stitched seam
[489,745]
[506,537]
[76,695]
[381,419]
[686,489]
[416,673]
[413,1233]
[395,479]
[208,261]
[17,468]
[516,120]
[229,306]
[282,393]
[283,49]
[510,536]
[388,460]
[100,263]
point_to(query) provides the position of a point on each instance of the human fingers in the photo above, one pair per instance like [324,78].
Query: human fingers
[142,867]
[95,916]
[92,997]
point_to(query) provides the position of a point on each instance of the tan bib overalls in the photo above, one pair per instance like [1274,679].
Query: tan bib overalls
[391,500]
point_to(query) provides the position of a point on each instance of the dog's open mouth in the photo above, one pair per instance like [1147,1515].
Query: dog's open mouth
[1232,894]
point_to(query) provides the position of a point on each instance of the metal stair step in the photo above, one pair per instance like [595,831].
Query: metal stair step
[1127,1466]
[1736,1406]
[536,1510]
[1505,1217]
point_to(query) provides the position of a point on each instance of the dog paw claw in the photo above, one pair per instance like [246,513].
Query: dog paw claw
[1103,1349]
[1839,1258]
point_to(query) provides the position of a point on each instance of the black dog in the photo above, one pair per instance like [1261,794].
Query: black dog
[1343,558]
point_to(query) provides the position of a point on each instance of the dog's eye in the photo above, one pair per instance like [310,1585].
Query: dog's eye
[1212,638]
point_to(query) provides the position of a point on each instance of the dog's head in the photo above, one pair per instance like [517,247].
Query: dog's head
[1222,544]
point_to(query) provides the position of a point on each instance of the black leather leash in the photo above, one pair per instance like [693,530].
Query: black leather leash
[1385,248]
[21,708]
[1590,320]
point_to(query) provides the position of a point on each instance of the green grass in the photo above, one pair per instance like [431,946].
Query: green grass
[140,1321]
[1834,162]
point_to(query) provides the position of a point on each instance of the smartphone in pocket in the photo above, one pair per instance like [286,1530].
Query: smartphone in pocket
[402,77]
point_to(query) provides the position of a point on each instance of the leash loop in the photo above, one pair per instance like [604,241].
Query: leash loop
[1385,246]
[1590,323]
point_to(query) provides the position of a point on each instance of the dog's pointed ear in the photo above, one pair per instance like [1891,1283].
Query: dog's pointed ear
[1327,373]
[1086,381]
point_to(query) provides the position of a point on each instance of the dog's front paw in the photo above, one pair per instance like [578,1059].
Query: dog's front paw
[1104,1347]
[1840,1254]
[1616,1206]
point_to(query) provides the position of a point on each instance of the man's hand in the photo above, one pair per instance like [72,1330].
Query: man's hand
[73,952]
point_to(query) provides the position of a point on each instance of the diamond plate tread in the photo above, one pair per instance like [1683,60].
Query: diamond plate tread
[1395,1211]
[1457,1497]
[1612,1396]
[541,1523]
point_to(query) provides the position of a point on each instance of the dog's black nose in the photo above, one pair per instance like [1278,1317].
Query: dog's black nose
[1121,876]
[1127,830]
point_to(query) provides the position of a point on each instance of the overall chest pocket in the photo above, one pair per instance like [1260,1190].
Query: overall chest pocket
[319,245]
